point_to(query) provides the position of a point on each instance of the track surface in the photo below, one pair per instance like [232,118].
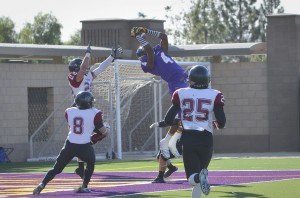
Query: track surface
[108,184]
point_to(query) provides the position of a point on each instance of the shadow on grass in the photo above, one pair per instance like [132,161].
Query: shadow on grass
[238,194]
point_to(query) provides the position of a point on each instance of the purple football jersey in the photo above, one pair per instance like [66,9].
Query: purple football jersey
[165,67]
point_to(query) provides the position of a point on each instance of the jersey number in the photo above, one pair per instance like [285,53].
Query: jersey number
[78,125]
[195,110]
[87,86]
[165,58]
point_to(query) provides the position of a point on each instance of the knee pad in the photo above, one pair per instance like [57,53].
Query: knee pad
[191,180]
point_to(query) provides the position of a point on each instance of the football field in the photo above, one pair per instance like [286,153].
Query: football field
[261,177]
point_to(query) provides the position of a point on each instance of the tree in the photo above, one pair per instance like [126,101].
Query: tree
[75,38]
[221,21]
[267,7]
[46,29]
[26,34]
[7,31]
[203,23]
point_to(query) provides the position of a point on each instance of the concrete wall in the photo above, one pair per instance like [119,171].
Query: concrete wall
[244,86]
[14,81]
[283,43]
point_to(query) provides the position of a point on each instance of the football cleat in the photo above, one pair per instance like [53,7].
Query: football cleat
[82,190]
[170,172]
[203,177]
[158,180]
[38,189]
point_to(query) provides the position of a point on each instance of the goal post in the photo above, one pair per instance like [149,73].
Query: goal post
[122,76]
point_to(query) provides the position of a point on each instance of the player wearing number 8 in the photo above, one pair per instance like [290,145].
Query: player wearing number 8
[83,121]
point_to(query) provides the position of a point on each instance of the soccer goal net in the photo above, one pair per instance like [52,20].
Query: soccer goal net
[130,100]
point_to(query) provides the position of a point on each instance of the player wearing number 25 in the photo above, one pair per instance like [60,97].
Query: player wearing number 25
[198,104]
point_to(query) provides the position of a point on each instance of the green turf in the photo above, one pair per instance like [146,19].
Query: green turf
[152,165]
[274,189]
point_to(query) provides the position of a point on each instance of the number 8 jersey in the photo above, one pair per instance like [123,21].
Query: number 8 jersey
[197,107]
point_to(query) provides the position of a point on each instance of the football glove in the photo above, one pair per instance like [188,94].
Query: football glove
[172,144]
[163,124]
[106,125]
[215,124]
[137,31]
[97,137]
[116,52]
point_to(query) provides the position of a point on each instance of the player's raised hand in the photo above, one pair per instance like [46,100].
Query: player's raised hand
[116,52]
[137,31]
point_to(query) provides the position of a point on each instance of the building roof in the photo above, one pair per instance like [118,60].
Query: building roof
[225,49]
[35,51]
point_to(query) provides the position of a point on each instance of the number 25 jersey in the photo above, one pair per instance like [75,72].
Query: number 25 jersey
[197,107]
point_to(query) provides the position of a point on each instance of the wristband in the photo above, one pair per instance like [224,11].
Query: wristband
[141,40]
[153,33]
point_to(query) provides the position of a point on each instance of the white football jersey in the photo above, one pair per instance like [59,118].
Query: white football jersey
[84,85]
[81,123]
[197,107]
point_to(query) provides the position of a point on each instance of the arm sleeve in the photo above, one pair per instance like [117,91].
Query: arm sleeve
[171,114]
[220,116]
[98,122]
[103,66]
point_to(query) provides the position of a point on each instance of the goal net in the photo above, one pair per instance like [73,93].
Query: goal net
[131,101]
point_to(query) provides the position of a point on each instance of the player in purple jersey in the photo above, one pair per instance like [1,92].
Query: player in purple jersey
[157,61]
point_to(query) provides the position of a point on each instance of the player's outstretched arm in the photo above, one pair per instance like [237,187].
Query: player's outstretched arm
[85,63]
[163,124]
[147,47]
[115,53]
[100,134]
[164,43]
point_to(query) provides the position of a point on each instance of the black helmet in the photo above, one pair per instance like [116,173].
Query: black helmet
[74,65]
[199,77]
[84,100]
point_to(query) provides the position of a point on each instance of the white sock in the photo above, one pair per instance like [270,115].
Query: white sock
[196,192]
[168,137]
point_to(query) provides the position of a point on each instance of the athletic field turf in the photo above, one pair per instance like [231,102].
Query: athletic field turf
[229,177]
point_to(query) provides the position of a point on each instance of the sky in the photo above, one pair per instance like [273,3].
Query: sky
[69,13]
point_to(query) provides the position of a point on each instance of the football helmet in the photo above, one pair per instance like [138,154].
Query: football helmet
[84,100]
[74,65]
[140,52]
[199,77]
